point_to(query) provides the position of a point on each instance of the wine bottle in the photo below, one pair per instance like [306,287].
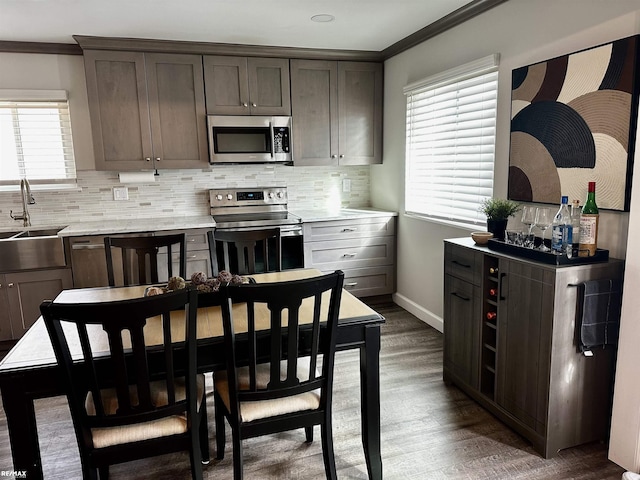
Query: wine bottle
[491,315]
[589,224]
[493,292]
[493,270]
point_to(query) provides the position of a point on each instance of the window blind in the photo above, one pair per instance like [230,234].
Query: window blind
[450,143]
[35,138]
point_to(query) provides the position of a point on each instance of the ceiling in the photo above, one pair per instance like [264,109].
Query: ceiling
[358,25]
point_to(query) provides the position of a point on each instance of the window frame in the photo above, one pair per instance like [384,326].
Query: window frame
[58,99]
[466,213]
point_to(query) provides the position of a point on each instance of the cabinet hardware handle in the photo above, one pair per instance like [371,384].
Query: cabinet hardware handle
[349,229]
[342,155]
[349,255]
[254,105]
[334,156]
[502,275]
[148,159]
[193,256]
[157,159]
[0,285]
[351,284]
[245,104]
[10,285]
[464,265]
[461,297]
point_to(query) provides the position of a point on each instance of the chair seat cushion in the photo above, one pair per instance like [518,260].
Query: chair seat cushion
[172,425]
[250,411]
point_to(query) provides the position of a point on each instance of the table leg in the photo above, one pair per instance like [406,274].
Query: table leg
[21,423]
[370,393]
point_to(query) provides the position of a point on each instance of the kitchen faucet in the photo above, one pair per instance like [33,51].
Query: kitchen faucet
[27,199]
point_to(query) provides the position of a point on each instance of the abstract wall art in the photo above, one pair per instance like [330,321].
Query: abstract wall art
[574,121]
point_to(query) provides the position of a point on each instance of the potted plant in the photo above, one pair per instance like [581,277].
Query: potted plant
[498,211]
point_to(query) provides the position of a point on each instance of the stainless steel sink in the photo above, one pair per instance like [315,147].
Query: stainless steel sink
[31,249]
[51,232]
[4,235]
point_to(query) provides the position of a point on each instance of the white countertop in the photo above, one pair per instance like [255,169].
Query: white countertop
[342,214]
[132,225]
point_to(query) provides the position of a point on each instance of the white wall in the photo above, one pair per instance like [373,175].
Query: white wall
[523,32]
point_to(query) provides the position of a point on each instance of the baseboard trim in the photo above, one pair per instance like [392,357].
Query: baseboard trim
[422,313]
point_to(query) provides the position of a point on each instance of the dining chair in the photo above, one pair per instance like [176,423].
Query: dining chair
[126,399]
[289,325]
[239,251]
[145,249]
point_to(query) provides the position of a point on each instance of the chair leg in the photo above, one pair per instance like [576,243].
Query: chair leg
[309,433]
[195,457]
[220,435]
[237,454]
[327,449]
[104,473]
[204,432]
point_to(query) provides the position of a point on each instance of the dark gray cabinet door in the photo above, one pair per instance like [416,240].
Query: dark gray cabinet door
[177,110]
[147,110]
[462,318]
[337,112]
[525,316]
[360,113]
[5,319]
[247,86]
[314,106]
[119,109]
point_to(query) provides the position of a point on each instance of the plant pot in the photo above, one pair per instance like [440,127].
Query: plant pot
[497,227]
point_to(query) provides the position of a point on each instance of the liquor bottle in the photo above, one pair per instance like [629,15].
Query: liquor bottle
[493,292]
[589,224]
[491,315]
[573,243]
[560,228]
[493,270]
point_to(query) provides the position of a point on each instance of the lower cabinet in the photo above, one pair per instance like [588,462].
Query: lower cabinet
[198,258]
[21,294]
[363,248]
[511,343]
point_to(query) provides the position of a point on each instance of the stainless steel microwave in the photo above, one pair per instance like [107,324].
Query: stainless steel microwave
[249,139]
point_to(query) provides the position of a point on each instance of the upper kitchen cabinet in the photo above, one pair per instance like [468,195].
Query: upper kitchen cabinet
[247,85]
[337,112]
[147,110]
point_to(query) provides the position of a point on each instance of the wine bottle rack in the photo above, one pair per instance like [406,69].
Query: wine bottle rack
[489,329]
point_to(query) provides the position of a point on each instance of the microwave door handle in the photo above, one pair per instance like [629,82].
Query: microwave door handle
[271,138]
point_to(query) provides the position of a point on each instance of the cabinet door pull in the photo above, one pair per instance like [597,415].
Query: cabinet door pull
[502,297]
[349,255]
[463,265]
[350,284]
[10,285]
[348,229]
[461,297]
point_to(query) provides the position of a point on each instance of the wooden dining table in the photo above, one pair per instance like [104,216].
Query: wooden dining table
[30,371]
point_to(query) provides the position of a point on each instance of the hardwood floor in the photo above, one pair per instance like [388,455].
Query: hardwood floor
[429,430]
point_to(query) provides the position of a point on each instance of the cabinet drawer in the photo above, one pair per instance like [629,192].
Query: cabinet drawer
[196,239]
[463,263]
[355,253]
[353,228]
[363,282]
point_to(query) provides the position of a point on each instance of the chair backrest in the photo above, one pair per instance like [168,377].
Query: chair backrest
[143,252]
[302,322]
[239,250]
[129,360]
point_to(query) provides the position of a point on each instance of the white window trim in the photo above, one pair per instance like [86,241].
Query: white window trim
[488,64]
[21,95]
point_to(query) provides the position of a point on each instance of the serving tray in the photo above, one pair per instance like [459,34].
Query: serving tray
[546,257]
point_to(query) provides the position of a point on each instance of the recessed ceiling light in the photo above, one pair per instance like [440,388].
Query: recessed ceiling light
[323,18]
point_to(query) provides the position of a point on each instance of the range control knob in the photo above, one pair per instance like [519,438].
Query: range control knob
[229,196]
[218,197]
[280,194]
[271,194]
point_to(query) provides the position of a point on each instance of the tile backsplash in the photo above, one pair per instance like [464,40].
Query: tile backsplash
[185,193]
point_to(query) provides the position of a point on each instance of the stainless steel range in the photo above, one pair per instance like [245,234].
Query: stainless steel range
[242,209]
[253,209]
